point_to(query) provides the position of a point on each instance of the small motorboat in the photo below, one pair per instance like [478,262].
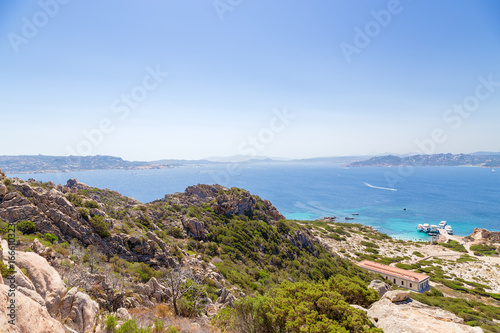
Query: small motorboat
[449,229]
[420,227]
[442,224]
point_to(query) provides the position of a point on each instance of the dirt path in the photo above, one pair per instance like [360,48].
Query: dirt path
[467,245]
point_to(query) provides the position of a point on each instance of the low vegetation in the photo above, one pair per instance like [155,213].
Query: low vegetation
[484,250]
[473,312]
[454,245]
[291,307]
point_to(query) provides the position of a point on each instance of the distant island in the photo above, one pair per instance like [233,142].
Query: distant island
[489,160]
[44,164]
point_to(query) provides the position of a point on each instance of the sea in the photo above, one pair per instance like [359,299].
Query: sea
[391,200]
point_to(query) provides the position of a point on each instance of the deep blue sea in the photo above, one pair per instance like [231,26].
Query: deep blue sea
[466,197]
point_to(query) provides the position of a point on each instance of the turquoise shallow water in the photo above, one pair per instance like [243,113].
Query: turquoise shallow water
[466,197]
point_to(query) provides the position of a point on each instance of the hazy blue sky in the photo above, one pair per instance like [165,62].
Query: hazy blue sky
[355,77]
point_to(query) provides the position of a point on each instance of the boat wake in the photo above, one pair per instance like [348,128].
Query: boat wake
[381,188]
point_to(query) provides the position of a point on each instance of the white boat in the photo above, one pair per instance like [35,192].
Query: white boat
[442,224]
[434,229]
[420,227]
[449,229]
[425,227]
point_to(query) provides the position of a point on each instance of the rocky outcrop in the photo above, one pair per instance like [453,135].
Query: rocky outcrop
[49,210]
[413,316]
[43,294]
[204,192]
[30,316]
[226,298]
[396,296]
[80,310]
[3,190]
[304,239]
[194,228]
[45,279]
[242,203]
[485,235]
[380,286]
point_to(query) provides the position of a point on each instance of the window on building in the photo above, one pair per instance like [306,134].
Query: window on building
[411,286]
[394,280]
[402,283]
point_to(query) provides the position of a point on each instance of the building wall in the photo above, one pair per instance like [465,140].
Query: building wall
[412,285]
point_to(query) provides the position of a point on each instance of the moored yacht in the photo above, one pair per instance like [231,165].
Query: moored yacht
[433,230]
[449,229]
[442,224]
[420,227]
[425,227]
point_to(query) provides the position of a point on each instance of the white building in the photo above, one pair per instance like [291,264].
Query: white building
[401,277]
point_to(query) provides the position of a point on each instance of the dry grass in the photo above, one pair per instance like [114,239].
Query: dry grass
[146,317]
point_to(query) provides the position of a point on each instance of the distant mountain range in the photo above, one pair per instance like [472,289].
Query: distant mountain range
[43,163]
[490,160]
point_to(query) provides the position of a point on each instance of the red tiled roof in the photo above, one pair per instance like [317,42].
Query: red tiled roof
[394,271]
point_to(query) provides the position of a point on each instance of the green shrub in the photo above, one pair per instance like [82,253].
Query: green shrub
[84,213]
[74,199]
[130,326]
[454,245]
[110,325]
[369,244]
[51,238]
[100,225]
[418,254]
[4,227]
[291,307]
[176,232]
[26,227]
[90,204]
[5,270]
[484,250]
[7,182]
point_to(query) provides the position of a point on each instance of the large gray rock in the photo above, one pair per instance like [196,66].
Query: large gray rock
[415,317]
[225,298]
[380,286]
[123,314]
[3,189]
[30,316]
[194,227]
[44,277]
[46,292]
[396,296]
[81,311]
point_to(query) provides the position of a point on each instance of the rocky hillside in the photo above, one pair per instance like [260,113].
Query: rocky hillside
[92,260]
[42,163]
[490,161]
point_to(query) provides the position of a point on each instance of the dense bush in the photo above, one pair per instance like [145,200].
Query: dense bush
[484,250]
[51,238]
[454,245]
[100,225]
[5,271]
[298,307]
[473,312]
[176,232]
[90,204]
[74,199]
[26,227]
